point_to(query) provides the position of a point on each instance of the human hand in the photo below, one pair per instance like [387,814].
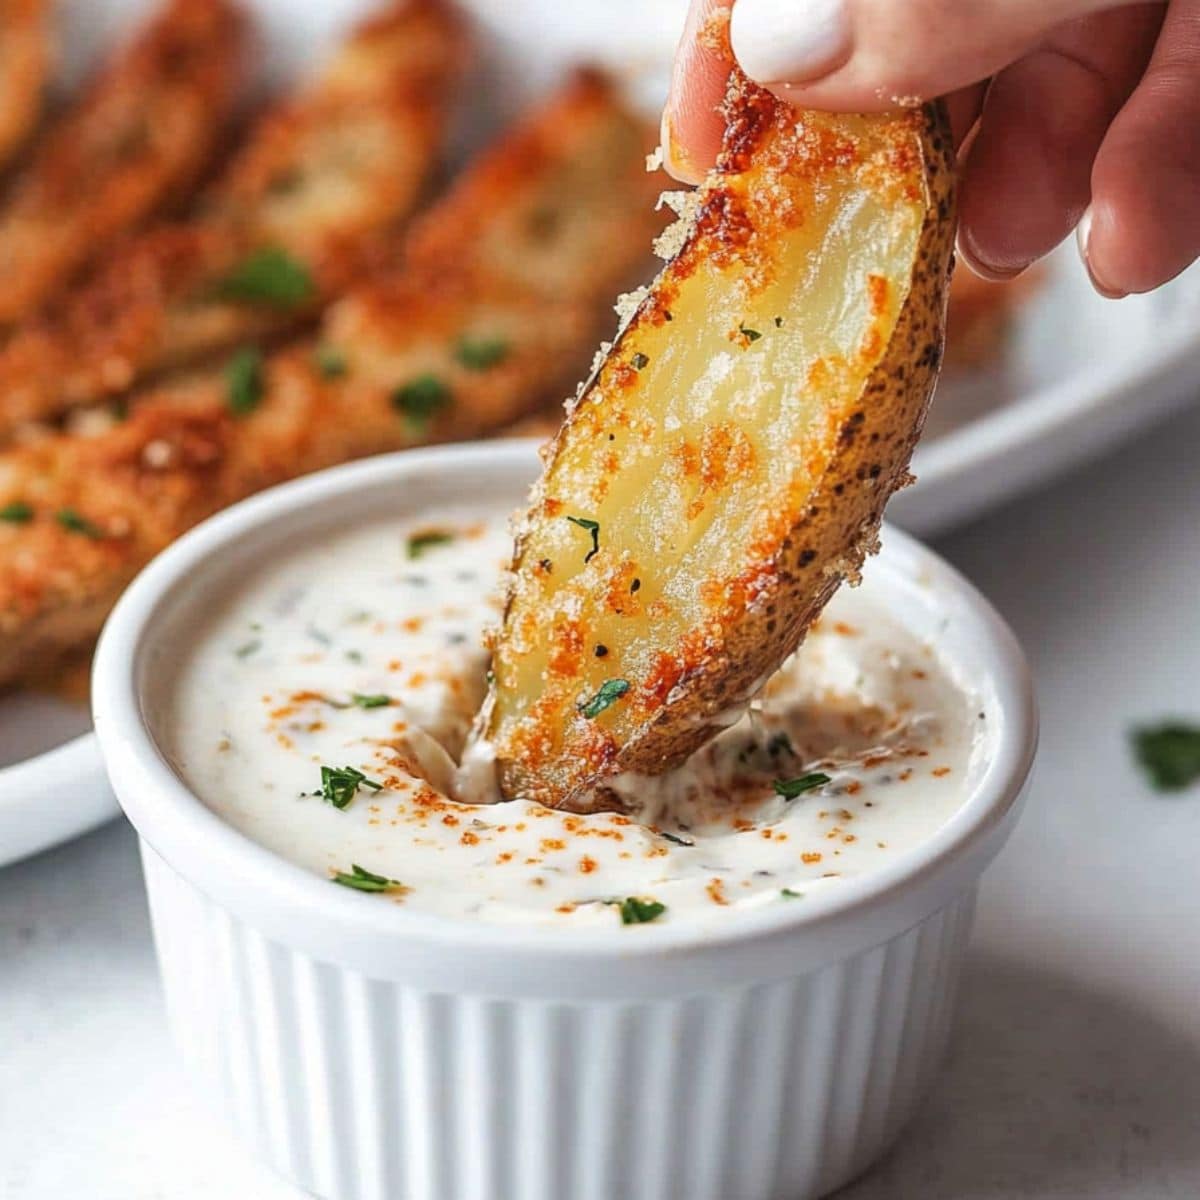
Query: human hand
[1068,112]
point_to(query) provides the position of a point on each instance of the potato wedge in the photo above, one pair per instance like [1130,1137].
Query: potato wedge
[137,139]
[318,191]
[26,52]
[453,348]
[727,465]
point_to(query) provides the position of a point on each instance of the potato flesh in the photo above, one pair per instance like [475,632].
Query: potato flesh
[716,435]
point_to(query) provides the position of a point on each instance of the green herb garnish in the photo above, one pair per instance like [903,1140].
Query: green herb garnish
[671,837]
[269,276]
[636,911]
[365,881]
[420,398]
[788,894]
[330,362]
[340,784]
[244,381]
[248,648]
[17,513]
[68,518]
[610,692]
[1169,754]
[479,353]
[420,542]
[593,527]
[789,789]
[640,361]
[379,701]
[751,335]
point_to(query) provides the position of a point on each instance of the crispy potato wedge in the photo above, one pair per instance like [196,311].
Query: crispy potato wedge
[449,349]
[727,465]
[26,54]
[137,139]
[310,203]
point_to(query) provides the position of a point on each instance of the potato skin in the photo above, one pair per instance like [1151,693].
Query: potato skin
[549,751]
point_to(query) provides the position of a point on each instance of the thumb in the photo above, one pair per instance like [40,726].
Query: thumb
[859,55]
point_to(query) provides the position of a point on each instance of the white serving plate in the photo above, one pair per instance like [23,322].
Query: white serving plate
[1081,373]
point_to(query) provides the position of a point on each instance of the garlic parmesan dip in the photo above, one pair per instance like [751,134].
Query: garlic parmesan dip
[322,710]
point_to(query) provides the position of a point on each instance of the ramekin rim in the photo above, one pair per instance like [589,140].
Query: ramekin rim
[215,847]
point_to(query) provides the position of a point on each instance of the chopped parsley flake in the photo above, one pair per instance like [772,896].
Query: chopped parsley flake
[751,335]
[420,542]
[68,518]
[789,789]
[593,527]
[636,911]
[244,381]
[269,276]
[379,701]
[17,513]
[480,353]
[421,397]
[675,838]
[788,894]
[365,881]
[340,784]
[249,648]
[610,692]
[640,361]
[330,362]
[1169,754]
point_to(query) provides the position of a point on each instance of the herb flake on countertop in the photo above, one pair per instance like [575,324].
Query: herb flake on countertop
[76,522]
[1169,754]
[339,785]
[788,894]
[418,543]
[480,353]
[592,527]
[674,838]
[377,701]
[421,397]
[789,789]
[363,880]
[611,690]
[269,276]
[17,513]
[638,911]
[244,381]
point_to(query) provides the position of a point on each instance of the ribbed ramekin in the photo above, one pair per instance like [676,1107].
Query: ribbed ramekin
[370,1052]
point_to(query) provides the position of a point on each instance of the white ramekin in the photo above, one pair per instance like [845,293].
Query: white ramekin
[375,1053]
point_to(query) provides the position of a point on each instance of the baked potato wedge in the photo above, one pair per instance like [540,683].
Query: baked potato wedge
[727,465]
[26,53]
[136,140]
[439,349]
[312,201]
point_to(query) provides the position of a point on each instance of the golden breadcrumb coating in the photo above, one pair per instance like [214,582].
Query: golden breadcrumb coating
[137,139]
[441,349]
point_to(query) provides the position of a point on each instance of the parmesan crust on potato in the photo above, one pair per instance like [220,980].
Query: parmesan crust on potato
[26,55]
[452,345]
[310,203]
[727,465]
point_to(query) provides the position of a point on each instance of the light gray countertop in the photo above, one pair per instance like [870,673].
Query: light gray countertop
[1075,1070]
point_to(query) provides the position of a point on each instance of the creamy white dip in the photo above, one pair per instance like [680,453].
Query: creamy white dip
[362,655]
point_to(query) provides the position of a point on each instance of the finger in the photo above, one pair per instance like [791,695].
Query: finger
[862,55]
[692,125]
[1144,225]
[1028,175]
[964,107]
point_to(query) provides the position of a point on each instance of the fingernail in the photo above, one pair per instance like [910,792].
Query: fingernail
[1083,235]
[675,159]
[993,273]
[789,41]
